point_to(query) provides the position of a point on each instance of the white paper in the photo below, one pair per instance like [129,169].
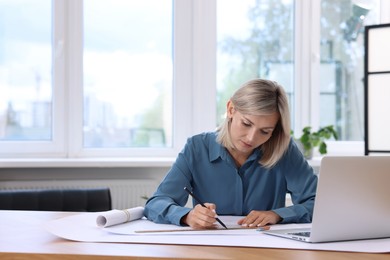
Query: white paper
[144,226]
[115,216]
[82,227]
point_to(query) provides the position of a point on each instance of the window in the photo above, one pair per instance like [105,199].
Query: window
[25,71]
[99,78]
[76,85]
[127,74]
[255,40]
[315,50]
[341,64]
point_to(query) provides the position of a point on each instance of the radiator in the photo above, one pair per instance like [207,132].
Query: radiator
[124,193]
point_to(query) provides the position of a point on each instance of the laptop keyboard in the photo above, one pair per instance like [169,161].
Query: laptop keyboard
[302,234]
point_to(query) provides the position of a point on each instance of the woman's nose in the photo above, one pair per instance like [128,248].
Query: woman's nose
[251,135]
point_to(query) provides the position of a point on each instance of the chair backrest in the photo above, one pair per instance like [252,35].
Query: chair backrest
[92,200]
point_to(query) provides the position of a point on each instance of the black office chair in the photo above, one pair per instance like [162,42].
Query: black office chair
[91,200]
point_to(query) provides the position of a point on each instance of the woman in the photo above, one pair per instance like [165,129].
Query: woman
[245,168]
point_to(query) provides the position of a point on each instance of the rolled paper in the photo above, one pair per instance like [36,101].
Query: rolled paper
[115,216]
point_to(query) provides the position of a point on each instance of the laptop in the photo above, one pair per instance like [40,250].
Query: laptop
[352,201]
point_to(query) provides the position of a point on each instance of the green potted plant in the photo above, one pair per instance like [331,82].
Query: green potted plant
[310,139]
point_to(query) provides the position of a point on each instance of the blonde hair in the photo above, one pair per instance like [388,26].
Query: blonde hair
[262,97]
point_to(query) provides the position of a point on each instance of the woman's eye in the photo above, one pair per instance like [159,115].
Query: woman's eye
[265,132]
[246,124]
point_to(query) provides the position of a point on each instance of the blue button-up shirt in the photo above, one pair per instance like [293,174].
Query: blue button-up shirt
[206,168]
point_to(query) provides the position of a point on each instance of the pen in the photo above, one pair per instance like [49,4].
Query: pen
[196,198]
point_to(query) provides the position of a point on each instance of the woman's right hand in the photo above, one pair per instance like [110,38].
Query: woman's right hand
[201,217]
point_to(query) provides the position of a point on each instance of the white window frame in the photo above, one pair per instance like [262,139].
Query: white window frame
[307,14]
[194,67]
[56,146]
[194,80]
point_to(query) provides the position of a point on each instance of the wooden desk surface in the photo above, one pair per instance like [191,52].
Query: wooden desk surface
[22,236]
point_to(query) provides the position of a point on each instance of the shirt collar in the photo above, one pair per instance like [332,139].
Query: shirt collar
[216,150]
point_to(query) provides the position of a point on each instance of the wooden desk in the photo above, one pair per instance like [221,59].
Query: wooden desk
[23,237]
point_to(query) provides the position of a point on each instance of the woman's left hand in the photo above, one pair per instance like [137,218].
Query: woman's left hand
[257,218]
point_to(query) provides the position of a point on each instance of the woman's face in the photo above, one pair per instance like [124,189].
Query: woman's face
[249,131]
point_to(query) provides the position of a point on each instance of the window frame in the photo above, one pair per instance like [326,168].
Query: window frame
[56,146]
[194,42]
[311,74]
[192,77]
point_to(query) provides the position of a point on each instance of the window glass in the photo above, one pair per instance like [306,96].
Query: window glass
[127,75]
[255,40]
[342,64]
[25,70]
